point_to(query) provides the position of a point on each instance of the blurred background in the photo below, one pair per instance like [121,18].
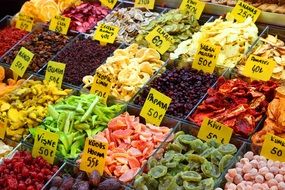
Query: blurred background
[10,7]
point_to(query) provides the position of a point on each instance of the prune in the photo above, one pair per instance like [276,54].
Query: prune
[94,178]
[56,181]
[67,183]
[110,184]
[81,176]
[83,185]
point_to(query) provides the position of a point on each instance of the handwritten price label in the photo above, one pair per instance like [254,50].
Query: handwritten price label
[194,6]
[101,85]
[94,156]
[3,126]
[109,3]
[273,148]
[22,61]
[244,10]
[213,129]
[148,4]
[24,22]
[155,107]
[59,24]
[159,40]
[206,57]
[45,145]
[258,68]
[106,33]
[55,72]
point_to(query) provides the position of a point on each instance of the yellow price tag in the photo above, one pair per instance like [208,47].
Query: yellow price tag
[94,156]
[101,85]
[258,68]
[213,129]
[106,33]
[22,61]
[59,24]
[25,22]
[244,10]
[148,4]
[109,3]
[194,6]
[159,40]
[273,148]
[3,126]
[155,107]
[206,57]
[55,72]
[45,145]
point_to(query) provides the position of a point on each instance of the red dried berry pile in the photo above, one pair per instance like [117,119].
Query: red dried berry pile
[85,16]
[82,58]
[9,36]
[185,86]
[44,44]
[23,172]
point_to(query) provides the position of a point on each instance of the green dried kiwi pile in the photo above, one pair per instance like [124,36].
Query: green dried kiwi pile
[188,164]
[179,25]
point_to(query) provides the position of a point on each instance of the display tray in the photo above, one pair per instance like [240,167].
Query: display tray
[211,8]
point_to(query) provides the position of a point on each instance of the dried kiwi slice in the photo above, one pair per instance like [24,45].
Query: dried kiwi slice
[225,162]
[191,186]
[210,170]
[198,146]
[196,158]
[227,149]
[216,156]
[158,171]
[191,176]
[167,183]
[186,139]
[208,183]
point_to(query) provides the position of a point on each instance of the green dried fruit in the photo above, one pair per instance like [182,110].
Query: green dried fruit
[168,183]
[186,139]
[191,176]
[225,162]
[191,186]
[196,158]
[208,183]
[198,146]
[158,171]
[227,149]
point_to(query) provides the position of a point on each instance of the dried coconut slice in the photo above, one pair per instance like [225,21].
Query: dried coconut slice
[280,91]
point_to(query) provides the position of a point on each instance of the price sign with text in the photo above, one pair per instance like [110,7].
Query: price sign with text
[258,68]
[24,22]
[194,6]
[159,40]
[55,72]
[206,57]
[244,10]
[273,148]
[109,3]
[155,107]
[45,145]
[94,156]
[213,129]
[148,4]
[59,24]
[22,61]
[101,85]
[3,126]
[106,33]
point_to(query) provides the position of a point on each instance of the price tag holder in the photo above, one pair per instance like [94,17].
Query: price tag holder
[101,85]
[148,4]
[106,33]
[59,24]
[213,129]
[25,22]
[22,61]
[55,72]
[155,107]
[45,145]
[206,57]
[109,3]
[159,40]
[244,10]
[3,126]
[194,6]
[258,68]
[273,148]
[94,156]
